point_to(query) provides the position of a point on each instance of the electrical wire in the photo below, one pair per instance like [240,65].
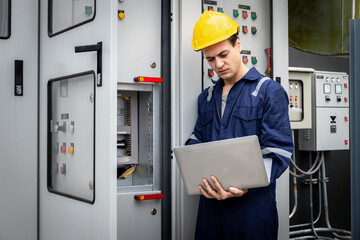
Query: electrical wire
[313,169]
[319,213]
[326,205]
[294,189]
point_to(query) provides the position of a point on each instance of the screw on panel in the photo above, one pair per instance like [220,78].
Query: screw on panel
[153,211]
[153,64]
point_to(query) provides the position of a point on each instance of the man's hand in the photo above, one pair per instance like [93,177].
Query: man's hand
[220,193]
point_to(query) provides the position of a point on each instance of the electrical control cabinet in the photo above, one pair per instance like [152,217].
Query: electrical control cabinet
[254,20]
[330,113]
[71,114]
[300,97]
[138,160]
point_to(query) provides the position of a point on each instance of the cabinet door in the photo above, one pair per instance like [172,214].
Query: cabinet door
[18,121]
[77,119]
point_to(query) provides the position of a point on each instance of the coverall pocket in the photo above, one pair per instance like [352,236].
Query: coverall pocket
[206,120]
[248,121]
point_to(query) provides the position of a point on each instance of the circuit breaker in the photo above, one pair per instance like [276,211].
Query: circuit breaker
[254,20]
[330,113]
[71,129]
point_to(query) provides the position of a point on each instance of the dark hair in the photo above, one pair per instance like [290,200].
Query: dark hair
[233,39]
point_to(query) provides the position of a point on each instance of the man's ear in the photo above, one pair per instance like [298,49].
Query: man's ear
[238,45]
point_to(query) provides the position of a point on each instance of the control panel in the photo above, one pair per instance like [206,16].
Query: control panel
[330,114]
[300,97]
[296,100]
[254,19]
[71,128]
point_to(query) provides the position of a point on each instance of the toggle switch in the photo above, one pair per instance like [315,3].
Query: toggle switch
[61,128]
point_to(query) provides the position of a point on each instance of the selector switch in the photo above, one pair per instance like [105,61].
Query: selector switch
[253,30]
[338,99]
[327,98]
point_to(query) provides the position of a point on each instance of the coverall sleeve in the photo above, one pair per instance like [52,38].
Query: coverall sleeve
[196,136]
[276,138]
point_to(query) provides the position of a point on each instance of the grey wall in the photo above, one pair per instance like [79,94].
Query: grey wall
[337,162]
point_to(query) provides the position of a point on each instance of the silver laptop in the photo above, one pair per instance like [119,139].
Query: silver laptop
[234,162]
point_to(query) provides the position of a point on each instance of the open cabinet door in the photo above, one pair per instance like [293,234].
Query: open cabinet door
[77,119]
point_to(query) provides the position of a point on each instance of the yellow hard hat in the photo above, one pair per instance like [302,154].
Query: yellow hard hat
[212,27]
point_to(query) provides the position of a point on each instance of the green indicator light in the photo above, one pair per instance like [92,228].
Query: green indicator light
[236,13]
[220,10]
[254,60]
[253,16]
[88,10]
[56,148]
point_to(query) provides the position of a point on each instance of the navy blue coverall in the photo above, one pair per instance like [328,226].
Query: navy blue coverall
[256,105]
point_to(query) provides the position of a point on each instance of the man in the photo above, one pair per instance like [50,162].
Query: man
[243,102]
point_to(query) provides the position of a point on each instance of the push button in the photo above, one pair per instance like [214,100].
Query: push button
[71,149]
[245,14]
[63,148]
[245,59]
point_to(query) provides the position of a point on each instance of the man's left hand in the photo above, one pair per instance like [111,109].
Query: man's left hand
[219,193]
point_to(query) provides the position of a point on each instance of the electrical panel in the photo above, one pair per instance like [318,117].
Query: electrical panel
[300,97]
[330,113]
[71,129]
[254,20]
[135,139]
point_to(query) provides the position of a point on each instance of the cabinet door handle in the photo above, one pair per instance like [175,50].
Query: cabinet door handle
[18,78]
[90,48]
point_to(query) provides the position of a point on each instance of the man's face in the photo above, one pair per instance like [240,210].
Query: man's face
[224,59]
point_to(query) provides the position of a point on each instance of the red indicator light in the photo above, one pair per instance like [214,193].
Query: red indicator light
[346,118]
[245,14]
[346,99]
[346,142]
[148,79]
[245,60]
[345,85]
[149,197]
[211,73]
